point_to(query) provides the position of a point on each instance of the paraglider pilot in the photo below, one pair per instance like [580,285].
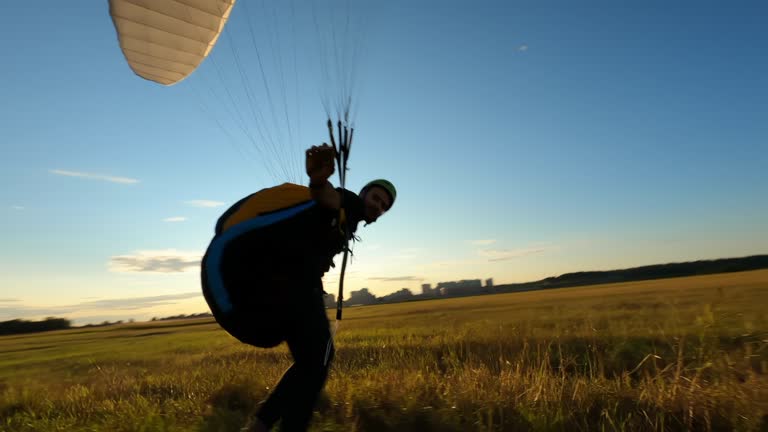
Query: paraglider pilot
[262,276]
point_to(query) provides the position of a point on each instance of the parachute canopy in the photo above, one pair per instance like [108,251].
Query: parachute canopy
[166,40]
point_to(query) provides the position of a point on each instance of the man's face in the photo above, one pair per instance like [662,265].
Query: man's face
[376,201]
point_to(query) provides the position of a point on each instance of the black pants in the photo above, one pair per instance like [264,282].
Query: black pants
[294,398]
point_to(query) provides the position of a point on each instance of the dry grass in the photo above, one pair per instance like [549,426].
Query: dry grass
[665,355]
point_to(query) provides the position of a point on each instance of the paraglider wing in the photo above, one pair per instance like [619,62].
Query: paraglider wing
[166,40]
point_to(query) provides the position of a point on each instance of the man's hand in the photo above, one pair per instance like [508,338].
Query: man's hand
[320,166]
[320,163]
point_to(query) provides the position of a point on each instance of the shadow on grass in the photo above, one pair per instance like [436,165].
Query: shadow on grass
[228,409]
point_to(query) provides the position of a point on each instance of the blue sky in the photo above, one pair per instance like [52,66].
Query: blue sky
[527,139]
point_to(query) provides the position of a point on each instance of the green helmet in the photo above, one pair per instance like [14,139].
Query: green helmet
[384,184]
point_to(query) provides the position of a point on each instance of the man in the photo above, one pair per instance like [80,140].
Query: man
[262,276]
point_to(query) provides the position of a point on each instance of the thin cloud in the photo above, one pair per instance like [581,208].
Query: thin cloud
[397,279]
[482,242]
[175,219]
[9,312]
[17,207]
[137,302]
[508,254]
[332,278]
[91,176]
[522,48]
[204,203]
[122,304]
[156,261]
[9,300]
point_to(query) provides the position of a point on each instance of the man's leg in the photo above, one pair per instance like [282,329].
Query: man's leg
[295,396]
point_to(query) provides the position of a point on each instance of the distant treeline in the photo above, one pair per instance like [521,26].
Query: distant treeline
[656,271]
[184,316]
[19,326]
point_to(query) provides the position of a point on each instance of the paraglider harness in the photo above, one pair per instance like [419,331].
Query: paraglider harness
[342,155]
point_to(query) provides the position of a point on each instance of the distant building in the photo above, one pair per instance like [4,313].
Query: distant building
[402,295]
[489,283]
[361,297]
[426,290]
[330,301]
[462,287]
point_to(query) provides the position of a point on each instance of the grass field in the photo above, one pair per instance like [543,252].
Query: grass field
[664,355]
